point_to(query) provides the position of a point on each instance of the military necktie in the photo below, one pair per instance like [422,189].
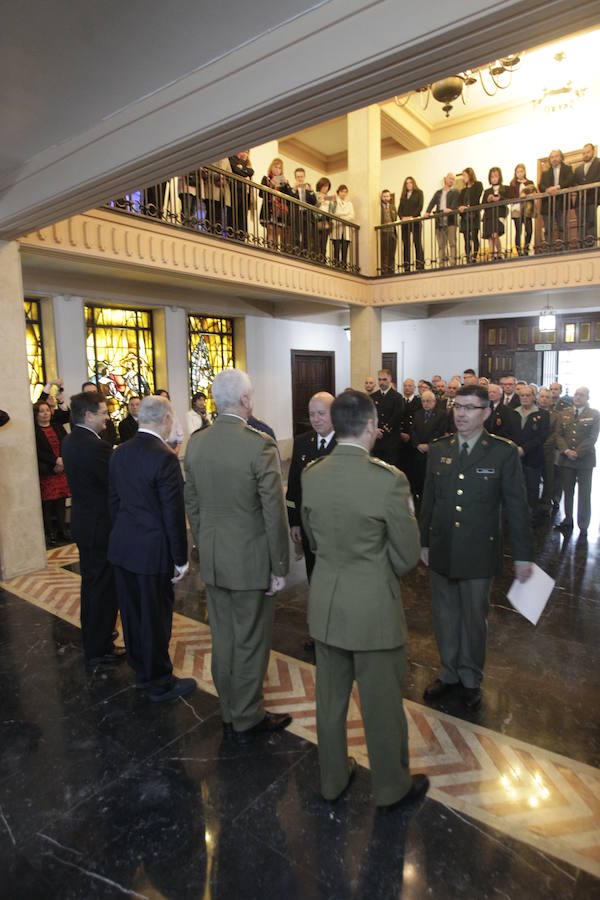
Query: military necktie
[463,455]
[322,445]
[576,414]
[427,415]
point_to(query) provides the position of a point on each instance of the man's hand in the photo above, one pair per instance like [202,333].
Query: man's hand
[423,448]
[404,436]
[521,451]
[277,584]
[379,433]
[295,534]
[425,555]
[551,190]
[571,454]
[180,572]
[523,571]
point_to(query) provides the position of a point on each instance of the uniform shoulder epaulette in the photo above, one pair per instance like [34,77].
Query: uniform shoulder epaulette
[383,465]
[257,431]
[443,437]
[314,462]
[503,440]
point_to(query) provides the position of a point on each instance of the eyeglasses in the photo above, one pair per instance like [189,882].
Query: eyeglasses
[468,406]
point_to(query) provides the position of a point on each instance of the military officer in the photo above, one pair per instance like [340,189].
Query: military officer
[559,404]
[358,517]
[576,438]
[390,410]
[308,446]
[472,477]
[235,507]
[534,428]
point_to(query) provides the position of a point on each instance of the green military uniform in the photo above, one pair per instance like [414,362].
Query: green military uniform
[358,517]
[234,502]
[461,524]
[578,433]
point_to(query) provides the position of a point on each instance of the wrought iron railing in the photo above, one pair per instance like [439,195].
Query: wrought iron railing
[211,201]
[493,232]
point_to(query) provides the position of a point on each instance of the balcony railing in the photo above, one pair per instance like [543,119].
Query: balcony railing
[509,228]
[211,201]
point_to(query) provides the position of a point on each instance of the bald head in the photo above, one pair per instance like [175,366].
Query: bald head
[370,384]
[319,413]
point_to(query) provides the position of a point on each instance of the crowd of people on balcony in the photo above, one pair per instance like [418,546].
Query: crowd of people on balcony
[266,214]
[463,206]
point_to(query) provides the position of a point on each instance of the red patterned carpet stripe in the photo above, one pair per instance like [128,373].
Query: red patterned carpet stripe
[425,730]
[469,763]
[284,679]
[308,681]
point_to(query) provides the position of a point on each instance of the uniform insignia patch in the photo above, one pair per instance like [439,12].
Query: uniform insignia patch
[485,471]
[447,460]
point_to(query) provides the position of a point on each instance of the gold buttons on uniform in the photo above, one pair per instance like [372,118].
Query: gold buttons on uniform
[461,476]
[457,524]
[460,492]
[459,509]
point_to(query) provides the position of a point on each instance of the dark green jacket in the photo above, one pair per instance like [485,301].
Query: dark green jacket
[358,516]
[461,513]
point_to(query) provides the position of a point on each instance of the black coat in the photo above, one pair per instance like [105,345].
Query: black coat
[127,428]
[45,455]
[423,432]
[565,180]
[410,408]
[452,199]
[532,436]
[411,206]
[504,422]
[442,405]
[579,177]
[86,460]
[304,451]
[390,412]
[146,506]
[470,196]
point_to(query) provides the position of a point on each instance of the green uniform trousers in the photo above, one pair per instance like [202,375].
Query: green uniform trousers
[380,678]
[460,610]
[241,623]
[583,477]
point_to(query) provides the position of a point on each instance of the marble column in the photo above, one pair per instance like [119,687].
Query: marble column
[364,180]
[70,341]
[178,373]
[365,344]
[22,546]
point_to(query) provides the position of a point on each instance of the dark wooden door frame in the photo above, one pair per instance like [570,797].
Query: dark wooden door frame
[294,356]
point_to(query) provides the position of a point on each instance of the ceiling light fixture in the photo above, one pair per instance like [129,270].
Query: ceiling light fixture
[547,320]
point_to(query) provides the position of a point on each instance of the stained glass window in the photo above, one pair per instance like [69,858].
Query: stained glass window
[35,348]
[120,354]
[210,350]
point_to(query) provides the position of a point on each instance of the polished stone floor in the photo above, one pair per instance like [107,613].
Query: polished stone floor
[103,794]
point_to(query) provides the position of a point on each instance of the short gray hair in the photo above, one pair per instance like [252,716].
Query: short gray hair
[153,410]
[228,387]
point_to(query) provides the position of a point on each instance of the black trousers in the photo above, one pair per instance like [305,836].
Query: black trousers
[309,556]
[146,604]
[98,601]
[520,223]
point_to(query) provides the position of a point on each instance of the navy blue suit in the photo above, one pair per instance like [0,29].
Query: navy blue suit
[531,438]
[86,460]
[147,540]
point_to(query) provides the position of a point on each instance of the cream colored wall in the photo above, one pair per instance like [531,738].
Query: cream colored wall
[426,347]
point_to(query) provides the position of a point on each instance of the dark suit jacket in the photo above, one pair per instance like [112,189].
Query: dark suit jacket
[515,401]
[109,435]
[86,460]
[593,176]
[390,411]
[532,437]
[45,456]
[442,405]
[423,432]
[304,451]
[127,428]
[470,196]
[503,422]
[147,508]
[410,408]
[452,199]
[411,206]
[565,180]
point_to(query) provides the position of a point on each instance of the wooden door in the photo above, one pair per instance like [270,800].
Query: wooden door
[312,371]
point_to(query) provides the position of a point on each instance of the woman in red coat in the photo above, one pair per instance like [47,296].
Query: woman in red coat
[54,489]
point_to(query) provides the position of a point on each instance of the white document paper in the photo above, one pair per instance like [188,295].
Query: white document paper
[530,597]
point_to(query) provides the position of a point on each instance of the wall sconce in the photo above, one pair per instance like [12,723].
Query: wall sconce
[547,320]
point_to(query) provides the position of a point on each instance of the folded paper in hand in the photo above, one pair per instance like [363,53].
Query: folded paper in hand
[530,597]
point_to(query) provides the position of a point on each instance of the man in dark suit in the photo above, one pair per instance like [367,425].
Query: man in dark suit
[503,421]
[555,207]
[129,425]
[308,446]
[429,423]
[302,218]
[148,547]
[472,477]
[109,434]
[534,428]
[588,172]
[390,410]
[406,451]
[446,403]
[509,391]
[86,459]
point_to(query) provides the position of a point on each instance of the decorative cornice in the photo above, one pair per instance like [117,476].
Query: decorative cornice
[121,239]
[112,237]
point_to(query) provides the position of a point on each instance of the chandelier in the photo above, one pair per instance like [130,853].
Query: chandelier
[498,76]
[564,94]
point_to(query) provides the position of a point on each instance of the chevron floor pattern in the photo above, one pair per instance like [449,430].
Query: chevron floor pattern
[543,799]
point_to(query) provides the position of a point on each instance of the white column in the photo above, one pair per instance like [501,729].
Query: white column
[22,546]
[365,344]
[70,336]
[364,180]
[177,361]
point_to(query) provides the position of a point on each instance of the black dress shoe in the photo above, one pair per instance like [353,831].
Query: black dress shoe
[271,723]
[472,697]
[117,654]
[438,688]
[565,525]
[179,687]
[418,789]
[352,770]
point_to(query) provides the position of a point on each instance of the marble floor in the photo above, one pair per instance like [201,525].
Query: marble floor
[103,794]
